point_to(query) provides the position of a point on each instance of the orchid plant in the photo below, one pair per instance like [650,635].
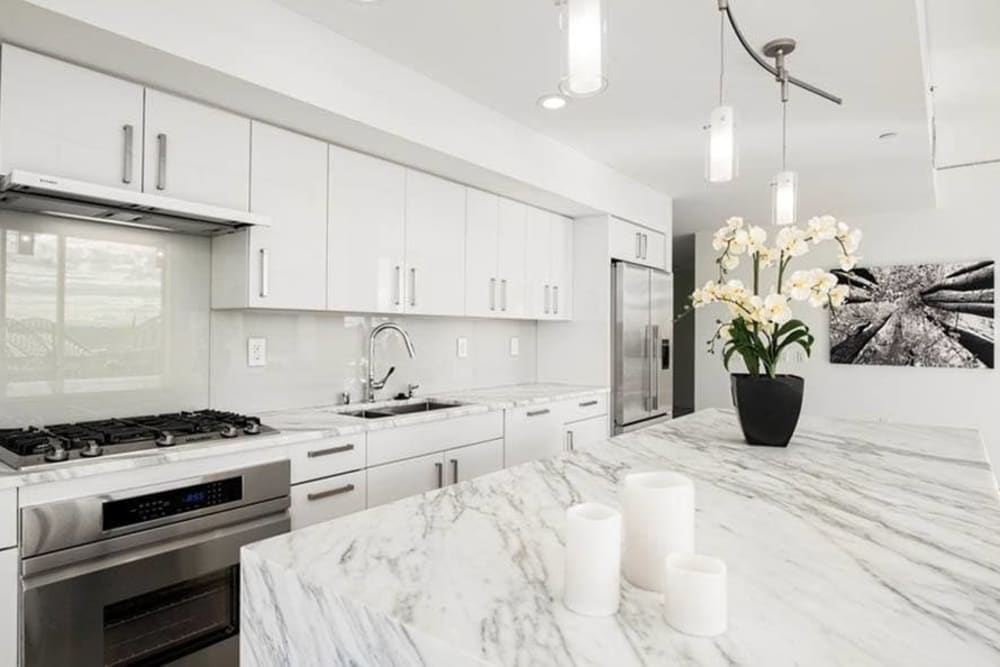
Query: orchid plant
[762,326]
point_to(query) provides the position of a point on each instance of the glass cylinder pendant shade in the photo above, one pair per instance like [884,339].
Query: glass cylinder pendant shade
[720,162]
[784,198]
[584,47]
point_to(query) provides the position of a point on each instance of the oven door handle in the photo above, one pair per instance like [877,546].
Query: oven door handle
[107,554]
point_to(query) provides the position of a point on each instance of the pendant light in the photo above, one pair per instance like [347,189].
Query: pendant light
[784,189]
[720,158]
[584,47]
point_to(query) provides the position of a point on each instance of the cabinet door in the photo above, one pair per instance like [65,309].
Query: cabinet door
[531,433]
[511,260]
[325,499]
[654,250]
[402,479]
[538,260]
[8,607]
[473,461]
[196,152]
[288,183]
[435,245]
[482,290]
[62,120]
[561,271]
[365,234]
[586,433]
[625,240]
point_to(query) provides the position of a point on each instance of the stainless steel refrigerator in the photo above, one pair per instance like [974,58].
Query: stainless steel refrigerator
[643,325]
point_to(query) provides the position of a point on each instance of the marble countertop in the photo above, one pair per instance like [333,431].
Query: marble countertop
[861,543]
[299,425]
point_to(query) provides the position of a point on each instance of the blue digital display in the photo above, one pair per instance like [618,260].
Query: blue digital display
[194,498]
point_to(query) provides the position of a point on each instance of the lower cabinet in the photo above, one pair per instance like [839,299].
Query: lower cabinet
[585,433]
[8,607]
[473,461]
[328,498]
[533,432]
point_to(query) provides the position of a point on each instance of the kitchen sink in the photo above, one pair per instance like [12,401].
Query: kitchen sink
[404,409]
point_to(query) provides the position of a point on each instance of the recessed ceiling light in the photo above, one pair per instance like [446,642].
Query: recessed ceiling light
[888,135]
[553,102]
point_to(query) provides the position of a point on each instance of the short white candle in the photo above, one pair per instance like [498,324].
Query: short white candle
[593,559]
[695,596]
[659,520]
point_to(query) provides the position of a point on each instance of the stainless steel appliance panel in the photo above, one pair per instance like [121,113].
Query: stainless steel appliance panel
[631,341]
[662,323]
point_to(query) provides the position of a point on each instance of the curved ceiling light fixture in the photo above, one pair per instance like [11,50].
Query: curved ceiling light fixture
[721,164]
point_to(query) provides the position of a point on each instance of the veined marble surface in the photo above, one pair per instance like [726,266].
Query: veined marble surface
[860,544]
[332,420]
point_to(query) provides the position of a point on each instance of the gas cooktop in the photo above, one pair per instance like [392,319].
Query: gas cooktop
[35,446]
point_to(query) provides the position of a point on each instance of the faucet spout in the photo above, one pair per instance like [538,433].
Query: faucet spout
[373,384]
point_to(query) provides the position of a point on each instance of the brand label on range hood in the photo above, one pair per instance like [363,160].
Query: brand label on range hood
[50,195]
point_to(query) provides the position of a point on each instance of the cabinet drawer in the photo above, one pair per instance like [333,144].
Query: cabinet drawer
[326,499]
[408,441]
[585,407]
[330,456]
[402,479]
[8,518]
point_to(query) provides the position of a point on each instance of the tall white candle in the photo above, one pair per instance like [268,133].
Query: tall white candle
[593,559]
[695,599]
[659,519]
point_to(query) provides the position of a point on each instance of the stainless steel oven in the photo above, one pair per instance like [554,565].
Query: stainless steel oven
[148,576]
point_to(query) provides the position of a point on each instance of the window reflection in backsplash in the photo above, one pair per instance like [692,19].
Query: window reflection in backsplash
[100,320]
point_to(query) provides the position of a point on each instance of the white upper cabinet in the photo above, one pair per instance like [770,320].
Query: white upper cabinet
[282,266]
[62,120]
[482,291]
[637,244]
[549,269]
[511,257]
[365,257]
[195,152]
[435,245]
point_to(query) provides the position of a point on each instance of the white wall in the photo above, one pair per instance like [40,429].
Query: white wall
[312,357]
[966,228]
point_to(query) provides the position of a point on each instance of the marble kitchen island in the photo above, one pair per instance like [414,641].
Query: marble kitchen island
[861,544]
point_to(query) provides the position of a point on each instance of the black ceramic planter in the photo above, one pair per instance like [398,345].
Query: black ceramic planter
[768,407]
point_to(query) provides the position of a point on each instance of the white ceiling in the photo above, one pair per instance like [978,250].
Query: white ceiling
[663,82]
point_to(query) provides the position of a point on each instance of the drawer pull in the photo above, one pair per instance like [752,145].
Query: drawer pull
[587,404]
[536,413]
[331,450]
[347,488]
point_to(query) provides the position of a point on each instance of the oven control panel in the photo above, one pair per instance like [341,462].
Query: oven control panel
[153,506]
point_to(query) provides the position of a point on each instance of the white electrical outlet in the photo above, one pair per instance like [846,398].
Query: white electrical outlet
[256,352]
[463,347]
[515,346]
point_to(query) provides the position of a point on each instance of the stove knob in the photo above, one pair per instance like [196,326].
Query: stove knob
[91,448]
[251,428]
[228,431]
[56,451]
[166,440]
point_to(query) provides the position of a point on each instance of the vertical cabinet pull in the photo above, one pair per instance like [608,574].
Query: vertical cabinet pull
[161,165]
[398,289]
[569,442]
[638,245]
[265,273]
[493,293]
[546,299]
[645,246]
[440,473]
[555,300]
[454,471]
[413,286]
[129,135]
[503,295]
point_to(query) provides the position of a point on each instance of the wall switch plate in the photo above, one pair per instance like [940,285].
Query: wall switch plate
[463,347]
[256,352]
[515,346]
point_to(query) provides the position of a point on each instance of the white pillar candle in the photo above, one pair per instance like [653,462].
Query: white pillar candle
[695,596]
[593,559]
[659,520]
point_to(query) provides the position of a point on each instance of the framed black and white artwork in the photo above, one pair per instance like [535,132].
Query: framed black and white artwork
[916,315]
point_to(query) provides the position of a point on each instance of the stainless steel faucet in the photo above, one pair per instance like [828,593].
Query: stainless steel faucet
[373,384]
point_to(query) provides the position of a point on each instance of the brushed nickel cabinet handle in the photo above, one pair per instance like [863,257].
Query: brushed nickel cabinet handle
[129,133]
[398,290]
[440,474]
[161,166]
[638,245]
[265,273]
[547,293]
[493,293]
[347,488]
[332,450]
[536,413]
[569,441]
[454,471]
[555,300]
[413,286]
[587,404]
[503,295]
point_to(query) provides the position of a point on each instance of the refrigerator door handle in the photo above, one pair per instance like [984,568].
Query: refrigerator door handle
[654,368]
[647,400]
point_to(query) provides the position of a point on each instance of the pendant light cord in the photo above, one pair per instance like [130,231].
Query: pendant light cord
[722,54]
[784,130]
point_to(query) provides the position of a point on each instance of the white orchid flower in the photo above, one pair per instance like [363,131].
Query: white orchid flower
[838,295]
[776,309]
[848,262]
[800,285]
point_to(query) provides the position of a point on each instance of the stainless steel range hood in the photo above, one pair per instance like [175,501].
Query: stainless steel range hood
[52,195]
